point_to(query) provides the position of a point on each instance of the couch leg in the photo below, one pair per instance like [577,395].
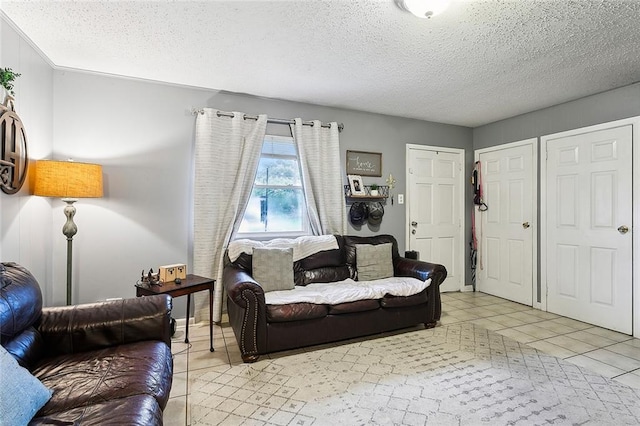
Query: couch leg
[250,358]
[430,324]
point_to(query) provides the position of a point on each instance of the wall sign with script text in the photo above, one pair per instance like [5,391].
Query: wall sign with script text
[364,163]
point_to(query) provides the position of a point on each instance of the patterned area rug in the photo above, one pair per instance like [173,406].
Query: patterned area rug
[451,375]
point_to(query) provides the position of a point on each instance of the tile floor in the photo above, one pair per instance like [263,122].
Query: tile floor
[608,353]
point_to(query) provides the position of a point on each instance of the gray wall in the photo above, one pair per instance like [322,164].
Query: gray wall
[615,104]
[142,133]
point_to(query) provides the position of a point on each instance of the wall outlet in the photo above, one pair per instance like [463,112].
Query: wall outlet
[400,198]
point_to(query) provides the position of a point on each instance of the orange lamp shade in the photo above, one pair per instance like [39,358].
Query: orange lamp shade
[68,179]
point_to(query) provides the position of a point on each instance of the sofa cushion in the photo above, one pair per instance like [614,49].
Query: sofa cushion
[92,377]
[322,267]
[244,262]
[323,275]
[21,394]
[295,312]
[320,259]
[273,268]
[27,347]
[374,262]
[357,306]
[138,410]
[389,301]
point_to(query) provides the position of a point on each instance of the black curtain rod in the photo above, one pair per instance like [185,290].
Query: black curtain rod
[269,120]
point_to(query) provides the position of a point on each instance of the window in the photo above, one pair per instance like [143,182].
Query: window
[276,207]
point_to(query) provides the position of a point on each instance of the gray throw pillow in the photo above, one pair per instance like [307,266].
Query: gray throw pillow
[374,262]
[273,268]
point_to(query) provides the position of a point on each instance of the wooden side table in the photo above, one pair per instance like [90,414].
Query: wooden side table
[192,284]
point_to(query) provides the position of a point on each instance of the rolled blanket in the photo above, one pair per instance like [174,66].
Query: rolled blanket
[302,246]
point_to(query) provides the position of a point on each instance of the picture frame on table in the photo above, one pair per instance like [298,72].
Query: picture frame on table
[356,185]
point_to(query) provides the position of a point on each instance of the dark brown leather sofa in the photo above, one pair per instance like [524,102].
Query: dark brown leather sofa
[107,363]
[262,329]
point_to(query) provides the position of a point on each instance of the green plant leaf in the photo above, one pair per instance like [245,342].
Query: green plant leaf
[7,77]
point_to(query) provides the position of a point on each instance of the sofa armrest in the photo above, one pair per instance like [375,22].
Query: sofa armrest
[236,281]
[80,328]
[403,267]
[421,270]
[247,312]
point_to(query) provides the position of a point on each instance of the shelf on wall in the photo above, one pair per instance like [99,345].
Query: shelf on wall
[383,194]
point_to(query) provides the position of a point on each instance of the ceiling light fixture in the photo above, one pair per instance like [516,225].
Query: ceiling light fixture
[423,8]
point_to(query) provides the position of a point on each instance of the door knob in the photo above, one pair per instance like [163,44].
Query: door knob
[623,229]
[525,225]
[414,224]
[413,231]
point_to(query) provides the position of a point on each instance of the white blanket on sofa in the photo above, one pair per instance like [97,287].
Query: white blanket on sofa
[347,291]
[302,246]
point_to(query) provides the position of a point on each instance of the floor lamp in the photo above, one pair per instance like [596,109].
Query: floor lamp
[68,180]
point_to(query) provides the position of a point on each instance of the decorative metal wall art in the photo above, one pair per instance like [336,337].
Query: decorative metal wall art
[13,141]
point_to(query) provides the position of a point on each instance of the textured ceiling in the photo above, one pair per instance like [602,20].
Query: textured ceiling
[478,62]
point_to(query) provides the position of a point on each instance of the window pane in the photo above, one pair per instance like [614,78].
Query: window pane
[279,146]
[274,210]
[278,171]
[277,200]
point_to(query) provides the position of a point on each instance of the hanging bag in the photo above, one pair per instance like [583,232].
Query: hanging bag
[476,181]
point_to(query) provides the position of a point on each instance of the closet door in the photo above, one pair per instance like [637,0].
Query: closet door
[589,230]
[506,230]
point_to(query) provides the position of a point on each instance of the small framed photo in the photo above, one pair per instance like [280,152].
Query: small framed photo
[356,185]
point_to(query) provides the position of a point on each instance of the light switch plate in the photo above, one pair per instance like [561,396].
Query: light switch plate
[400,198]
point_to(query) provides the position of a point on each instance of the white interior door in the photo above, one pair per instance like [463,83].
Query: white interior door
[588,227]
[434,197]
[506,230]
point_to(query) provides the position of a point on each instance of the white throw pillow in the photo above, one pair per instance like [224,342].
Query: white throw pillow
[273,268]
[374,262]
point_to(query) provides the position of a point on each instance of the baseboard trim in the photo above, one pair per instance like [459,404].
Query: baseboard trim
[181,322]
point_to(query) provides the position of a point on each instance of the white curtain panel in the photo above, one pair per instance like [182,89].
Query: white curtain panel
[227,152]
[319,151]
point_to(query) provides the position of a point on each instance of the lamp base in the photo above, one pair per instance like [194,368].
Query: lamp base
[69,230]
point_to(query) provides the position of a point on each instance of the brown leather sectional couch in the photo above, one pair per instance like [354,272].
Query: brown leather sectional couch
[262,329]
[107,363]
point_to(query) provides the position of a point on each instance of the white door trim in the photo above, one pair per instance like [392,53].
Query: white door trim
[461,249]
[635,123]
[534,218]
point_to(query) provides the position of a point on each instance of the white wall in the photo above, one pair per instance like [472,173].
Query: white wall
[25,221]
